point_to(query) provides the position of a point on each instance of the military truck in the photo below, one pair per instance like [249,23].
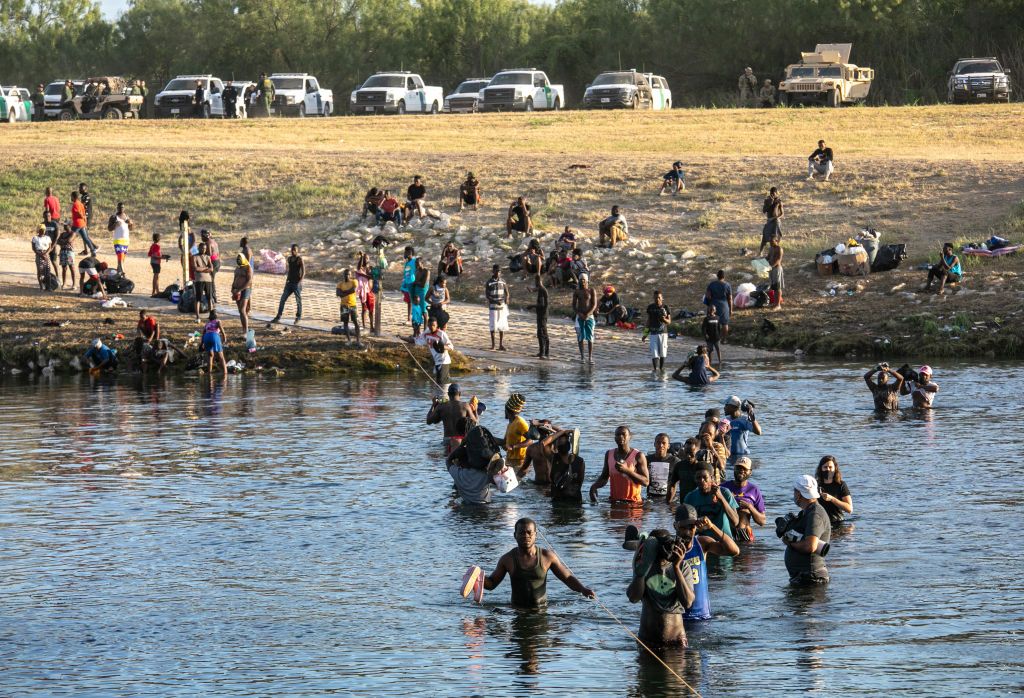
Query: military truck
[826,77]
[102,98]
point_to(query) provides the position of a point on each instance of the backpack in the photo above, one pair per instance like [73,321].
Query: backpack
[119,284]
[515,263]
[51,281]
[187,301]
[481,446]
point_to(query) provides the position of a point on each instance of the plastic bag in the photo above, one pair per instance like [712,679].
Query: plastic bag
[761,267]
[746,288]
[271,262]
[506,480]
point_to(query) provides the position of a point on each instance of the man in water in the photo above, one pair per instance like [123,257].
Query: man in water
[742,421]
[712,501]
[516,443]
[886,394]
[665,589]
[749,501]
[659,465]
[922,390]
[527,567]
[626,469]
[567,471]
[472,482]
[584,303]
[807,537]
[449,413]
[700,538]
[541,453]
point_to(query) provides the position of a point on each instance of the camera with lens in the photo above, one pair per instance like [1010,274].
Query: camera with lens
[784,523]
[881,366]
[747,406]
[784,529]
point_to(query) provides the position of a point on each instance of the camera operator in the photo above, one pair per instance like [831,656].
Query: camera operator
[886,394]
[806,535]
[742,421]
[918,384]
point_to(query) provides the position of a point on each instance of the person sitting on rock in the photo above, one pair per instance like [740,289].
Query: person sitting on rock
[390,210]
[674,180]
[372,201]
[519,218]
[451,261]
[469,193]
[416,198]
[609,306]
[533,258]
[578,268]
[614,229]
[947,270]
[566,241]
[559,268]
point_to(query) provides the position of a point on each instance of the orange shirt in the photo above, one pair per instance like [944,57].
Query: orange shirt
[78,215]
[623,489]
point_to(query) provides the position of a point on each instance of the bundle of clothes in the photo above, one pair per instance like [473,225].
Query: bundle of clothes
[995,246]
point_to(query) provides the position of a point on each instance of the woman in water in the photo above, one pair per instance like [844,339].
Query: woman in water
[214,341]
[835,495]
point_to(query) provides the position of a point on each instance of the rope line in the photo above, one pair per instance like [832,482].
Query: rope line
[413,357]
[623,625]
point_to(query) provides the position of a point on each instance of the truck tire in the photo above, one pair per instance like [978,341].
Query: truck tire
[529,104]
[434,109]
[832,98]
[112,113]
[66,115]
[401,106]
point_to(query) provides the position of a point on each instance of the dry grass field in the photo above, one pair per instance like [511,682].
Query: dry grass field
[921,175]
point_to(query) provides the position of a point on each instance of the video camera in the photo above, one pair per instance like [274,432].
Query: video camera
[785,529]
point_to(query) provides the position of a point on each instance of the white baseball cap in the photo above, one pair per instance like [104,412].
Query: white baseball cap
[734,401]
[807,486]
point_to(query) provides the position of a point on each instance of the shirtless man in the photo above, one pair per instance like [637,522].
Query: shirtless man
[584,303]
[449,413]
[527,567]
[885,394]
[540,453]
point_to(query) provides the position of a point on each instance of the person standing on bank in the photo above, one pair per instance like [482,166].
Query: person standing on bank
[543,341]
[719,294]
[584,304]
[773,210]
[204,279]
[212,249]
[658,318]
[776,277]
[496,291]
[292,285]
[807,536]
[241,289]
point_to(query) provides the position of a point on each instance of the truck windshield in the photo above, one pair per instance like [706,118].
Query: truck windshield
[287,83]
[832,71]
[801,72]
[385,81]
[984,67]
[54,88]
[613,79]
[181,84]
[471,86]
[512,79]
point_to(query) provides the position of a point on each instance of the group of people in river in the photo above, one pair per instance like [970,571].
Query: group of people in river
[711,515]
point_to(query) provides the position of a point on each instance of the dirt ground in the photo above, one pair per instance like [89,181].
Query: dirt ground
[920,176]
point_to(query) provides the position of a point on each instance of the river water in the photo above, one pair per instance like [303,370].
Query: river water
[300,537]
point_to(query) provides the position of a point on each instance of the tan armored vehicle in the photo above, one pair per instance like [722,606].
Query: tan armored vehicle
[827,77]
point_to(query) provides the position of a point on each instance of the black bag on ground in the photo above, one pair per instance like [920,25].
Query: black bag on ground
[169,291]
[481,446]
[119,284]
[889,257]
[51,281]
[187,300]
[515,263]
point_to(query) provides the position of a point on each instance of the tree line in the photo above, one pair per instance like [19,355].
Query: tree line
[700,46]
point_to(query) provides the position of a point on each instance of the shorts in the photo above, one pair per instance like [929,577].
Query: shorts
[348,313]
[67,256]
[585,329]
[777,279]
[370,301]
[154,264]
[406,297]
[212,342]
[712,345]
[498,319]
[659,345]
[120,249]
[245,294]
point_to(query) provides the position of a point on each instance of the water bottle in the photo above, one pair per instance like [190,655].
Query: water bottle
[250,341]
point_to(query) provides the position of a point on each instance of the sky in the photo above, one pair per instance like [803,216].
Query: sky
[112,8]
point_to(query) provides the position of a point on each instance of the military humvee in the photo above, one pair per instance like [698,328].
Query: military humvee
[826,77]
[102,98]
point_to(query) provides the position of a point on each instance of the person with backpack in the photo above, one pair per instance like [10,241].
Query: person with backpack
[474,463]
[448,412]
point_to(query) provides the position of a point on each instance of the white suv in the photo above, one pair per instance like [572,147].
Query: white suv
[176,99]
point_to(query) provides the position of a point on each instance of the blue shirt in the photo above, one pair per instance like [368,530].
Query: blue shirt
[715,512]
[695,564]
[98,356]
[739,428]
[719,291]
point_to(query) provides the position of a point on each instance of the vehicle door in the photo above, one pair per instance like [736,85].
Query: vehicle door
[643,91]
[216,92]
[542,97]
[657,94]
[26,104]
[420,99]
[314,100]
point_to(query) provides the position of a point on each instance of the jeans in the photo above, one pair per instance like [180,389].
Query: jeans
[84,234]
[396,217]
[290,288]
[824,168]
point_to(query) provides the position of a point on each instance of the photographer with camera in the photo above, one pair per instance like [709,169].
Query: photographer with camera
[742,421]
[713,501]
[918,384]
[886,394]
[806,535]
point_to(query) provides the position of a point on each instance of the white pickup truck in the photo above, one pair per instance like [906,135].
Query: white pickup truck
[300,94]
[15,104]
[522,89]
[177,98]
[396,93]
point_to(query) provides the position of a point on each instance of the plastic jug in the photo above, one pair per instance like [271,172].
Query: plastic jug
[250,341]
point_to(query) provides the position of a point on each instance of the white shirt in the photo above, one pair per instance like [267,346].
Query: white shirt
[121,230]
[41,243]
[440,357]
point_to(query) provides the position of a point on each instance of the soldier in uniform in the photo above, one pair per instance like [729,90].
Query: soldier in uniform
[266,90]
[144,91]
[767,94]
[199,101]
[747,85]
[230,97]
[39,104]
[68,93]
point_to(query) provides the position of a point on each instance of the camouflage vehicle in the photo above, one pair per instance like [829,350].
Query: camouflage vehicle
[826,77]
[103,98]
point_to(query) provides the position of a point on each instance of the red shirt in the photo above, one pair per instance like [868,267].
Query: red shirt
[52,205]
[154,251]
[77,214]
[148,326]
[389,205]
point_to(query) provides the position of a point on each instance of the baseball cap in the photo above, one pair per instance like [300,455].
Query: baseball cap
[925,369]
[733,401]
[807,486]
[743,462]
[686,514]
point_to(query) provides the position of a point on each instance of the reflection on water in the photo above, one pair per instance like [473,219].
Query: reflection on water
[264,537]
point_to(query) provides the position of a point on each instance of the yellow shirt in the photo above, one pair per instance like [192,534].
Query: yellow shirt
[514,433]
[349,287]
